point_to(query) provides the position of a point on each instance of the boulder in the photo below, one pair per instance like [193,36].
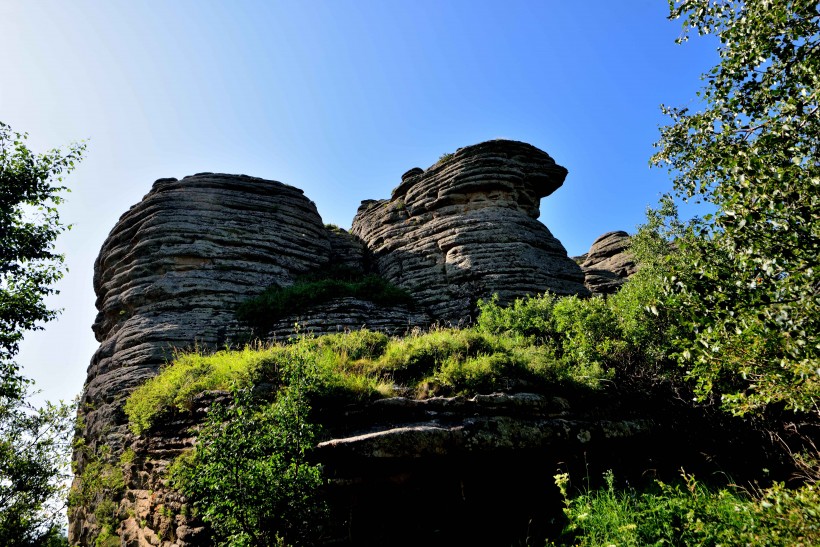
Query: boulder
[608,264]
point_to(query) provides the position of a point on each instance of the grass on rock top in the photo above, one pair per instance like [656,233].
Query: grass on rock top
[363,365]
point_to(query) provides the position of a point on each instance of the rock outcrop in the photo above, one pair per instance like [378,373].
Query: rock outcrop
[177,264]
[608,264]
[466,228]
[170,275]
[345,314]
[462,471]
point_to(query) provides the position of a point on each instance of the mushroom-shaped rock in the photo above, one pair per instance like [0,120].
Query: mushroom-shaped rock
[467,228]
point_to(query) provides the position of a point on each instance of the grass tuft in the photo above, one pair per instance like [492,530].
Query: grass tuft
[316,288]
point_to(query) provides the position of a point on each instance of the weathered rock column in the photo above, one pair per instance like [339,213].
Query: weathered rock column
[609,263]
[169,276]
[467,228]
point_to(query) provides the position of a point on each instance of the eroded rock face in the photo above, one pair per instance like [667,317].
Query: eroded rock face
[608,264]
[346,314]
[170,275]
[177,264]
[467,228]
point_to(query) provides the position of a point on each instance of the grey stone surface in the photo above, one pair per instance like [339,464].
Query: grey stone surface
[467,228]
[177,264]
[169,277]
[608,264]
[345,314]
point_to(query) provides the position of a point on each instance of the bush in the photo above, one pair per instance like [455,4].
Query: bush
[315,288]
[530,317]
[249,476]
[583,335]
[589,332]
[689,514]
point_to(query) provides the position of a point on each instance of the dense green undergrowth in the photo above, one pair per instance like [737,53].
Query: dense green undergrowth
[249,476]
[364,365]
[689,513]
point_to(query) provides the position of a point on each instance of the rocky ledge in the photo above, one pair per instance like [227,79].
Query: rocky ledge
[608,264]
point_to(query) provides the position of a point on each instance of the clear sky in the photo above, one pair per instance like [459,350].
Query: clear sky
[337,97]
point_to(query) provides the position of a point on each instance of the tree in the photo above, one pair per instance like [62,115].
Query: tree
[34,443]
[751,294]
[35,449]
[30,191]
[249,476]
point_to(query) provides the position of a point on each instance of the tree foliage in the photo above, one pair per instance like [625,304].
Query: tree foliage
[30,191]
[249,476]
[34,442]
[750,295]
[35,446]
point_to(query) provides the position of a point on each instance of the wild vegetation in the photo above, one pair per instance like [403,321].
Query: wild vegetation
[249,476]
[363,365]
[740,286]
[689,513]
[100,483]
[749,301]
[541,343]
[314,288]
[34,442]
[727,306]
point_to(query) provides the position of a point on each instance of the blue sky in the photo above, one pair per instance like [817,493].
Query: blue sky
[338,98]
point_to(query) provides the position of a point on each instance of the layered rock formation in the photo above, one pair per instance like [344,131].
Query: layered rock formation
[177,264]
[462,471]
[345,314]
[170,275]
[608,264]
[467,228]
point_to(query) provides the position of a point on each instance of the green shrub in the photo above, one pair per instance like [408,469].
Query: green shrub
[581,336]
[315,288]
[531,316]
[690,514]
[588,331]
[445,157]
[249,476]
